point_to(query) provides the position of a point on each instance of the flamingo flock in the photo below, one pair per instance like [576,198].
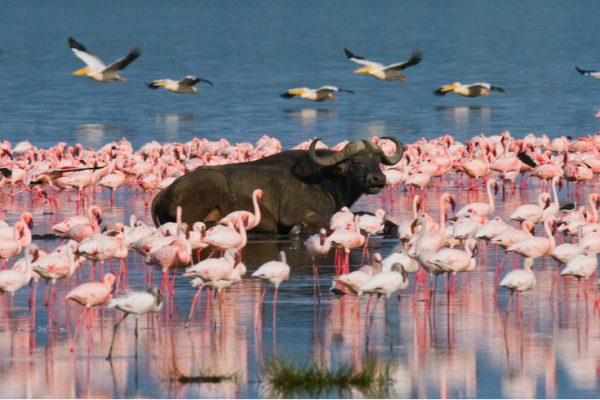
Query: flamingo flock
[447,243]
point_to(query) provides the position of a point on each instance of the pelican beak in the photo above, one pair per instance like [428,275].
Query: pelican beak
[296,92]
[448,88]
[362,70]
[82,71]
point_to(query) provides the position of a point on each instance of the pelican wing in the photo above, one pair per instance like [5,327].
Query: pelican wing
[488,86]
[586,71]
[192,80]
[122,63]
[331,89]
[415,57]
[91,60]
[358,59]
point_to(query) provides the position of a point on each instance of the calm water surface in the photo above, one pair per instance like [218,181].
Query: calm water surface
[253,51]
[545,346]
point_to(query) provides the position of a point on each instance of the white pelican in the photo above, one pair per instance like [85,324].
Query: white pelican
[185,85]
[321,94]
[384,72]
[96,69]
[471,90]
[593,74]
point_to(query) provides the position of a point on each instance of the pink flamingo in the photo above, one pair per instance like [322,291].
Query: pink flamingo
[480,209]
[228,237]
[536,246]
[273,272]
[136,303]
[12,280]
[91,294]
[113,181]
[341,219]
[519,280]
[94,213]
[176,254]
[347,239]
[10,247]
[252,219]
[317,245]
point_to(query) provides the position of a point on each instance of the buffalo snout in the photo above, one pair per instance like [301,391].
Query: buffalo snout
[375,182]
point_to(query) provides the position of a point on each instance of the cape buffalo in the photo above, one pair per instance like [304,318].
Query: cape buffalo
[302,188]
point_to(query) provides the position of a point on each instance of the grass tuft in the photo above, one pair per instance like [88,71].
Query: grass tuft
[205,377]
[307,378]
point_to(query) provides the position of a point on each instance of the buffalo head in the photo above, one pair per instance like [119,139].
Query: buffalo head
[360,160]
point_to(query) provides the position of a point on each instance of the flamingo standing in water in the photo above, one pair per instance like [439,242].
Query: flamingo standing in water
[12,280]
[317,245]
[273,272]
[532,212]
[10,247]
[536,246]
[519,280]
[480,209]
[91,294]
[136,303]
[347,239]
[251,219]
[176,254]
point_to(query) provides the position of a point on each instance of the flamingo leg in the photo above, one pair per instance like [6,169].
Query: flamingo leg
[112,342]
[196,297]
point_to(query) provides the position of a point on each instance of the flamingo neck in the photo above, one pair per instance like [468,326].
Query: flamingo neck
[555,193]
[256,207]
[549,234]
[490,196]
[594,217]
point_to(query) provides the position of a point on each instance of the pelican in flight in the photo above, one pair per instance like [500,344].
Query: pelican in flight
[186,85]
[321,94]
[472,90]
[96,69]
[384,72]
[593,74]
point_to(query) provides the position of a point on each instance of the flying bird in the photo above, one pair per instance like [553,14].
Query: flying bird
[321,94]
[96,69]
[471,90]
[593,74]
[185,85]
[384,72]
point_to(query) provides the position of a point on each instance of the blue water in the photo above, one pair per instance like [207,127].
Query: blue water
[255,50]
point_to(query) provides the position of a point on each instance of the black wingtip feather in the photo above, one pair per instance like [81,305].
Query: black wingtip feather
[74,44]
[526,159]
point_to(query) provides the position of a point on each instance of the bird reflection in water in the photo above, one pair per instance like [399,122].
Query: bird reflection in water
[308,117]
[461,117]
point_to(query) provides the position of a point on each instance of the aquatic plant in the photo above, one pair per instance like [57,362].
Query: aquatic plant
[203,377]
[307,378]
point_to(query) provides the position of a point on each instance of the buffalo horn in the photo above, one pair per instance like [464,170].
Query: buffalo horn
[336,158]
[397,156]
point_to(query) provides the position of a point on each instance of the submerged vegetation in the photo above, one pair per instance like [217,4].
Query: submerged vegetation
[204,377]
[307,378]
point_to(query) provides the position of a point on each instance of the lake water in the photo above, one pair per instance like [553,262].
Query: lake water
[253,51]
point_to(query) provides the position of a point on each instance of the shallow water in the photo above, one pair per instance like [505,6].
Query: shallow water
[471,346]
